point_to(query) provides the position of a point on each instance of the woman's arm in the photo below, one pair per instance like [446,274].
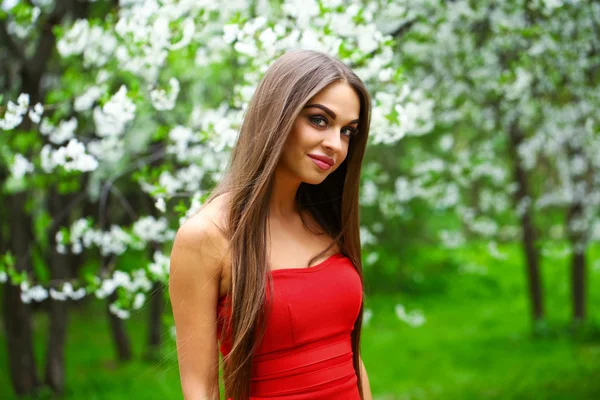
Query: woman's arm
[365,381]
[194,280]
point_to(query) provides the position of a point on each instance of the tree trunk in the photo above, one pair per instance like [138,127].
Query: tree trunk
[156,301]
[155,321]
[117,325]
[578,286]
[55,358]
[528,230]
[17,315]
[119,332]
[577,236]
[59,266]
[145,205]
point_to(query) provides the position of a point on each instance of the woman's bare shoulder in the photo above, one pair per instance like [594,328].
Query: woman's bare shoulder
[204,234]
[211,217]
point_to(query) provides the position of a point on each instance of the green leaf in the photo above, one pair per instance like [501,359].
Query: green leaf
[181,207]
[40,268]
[162,132]
[157,191]
[21,11]
[41,222]
[66,233]
[69,185]
[23,141]
[8,260]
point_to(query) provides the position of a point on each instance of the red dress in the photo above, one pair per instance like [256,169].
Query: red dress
[306,352]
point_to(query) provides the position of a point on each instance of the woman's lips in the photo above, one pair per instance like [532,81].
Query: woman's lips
[320,164]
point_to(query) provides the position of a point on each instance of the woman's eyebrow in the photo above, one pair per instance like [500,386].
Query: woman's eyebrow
[328,111]
[322,107]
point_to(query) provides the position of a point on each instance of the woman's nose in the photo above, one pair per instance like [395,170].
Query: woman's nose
[333,139]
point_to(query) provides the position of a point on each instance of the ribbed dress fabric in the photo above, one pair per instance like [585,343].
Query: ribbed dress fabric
[306,352]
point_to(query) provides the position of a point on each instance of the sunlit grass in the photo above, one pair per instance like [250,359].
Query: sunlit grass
[478,341]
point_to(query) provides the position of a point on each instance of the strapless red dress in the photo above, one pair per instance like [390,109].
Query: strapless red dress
[306,351]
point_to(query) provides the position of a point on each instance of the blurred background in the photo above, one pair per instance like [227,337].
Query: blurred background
[480,190]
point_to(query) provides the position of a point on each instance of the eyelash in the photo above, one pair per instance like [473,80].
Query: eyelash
[315,118]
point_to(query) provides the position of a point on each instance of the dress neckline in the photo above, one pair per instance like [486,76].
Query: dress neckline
[314,268]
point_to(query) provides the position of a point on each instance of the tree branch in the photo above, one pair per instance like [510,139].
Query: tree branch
[12,46]
[158,155]
[401,30]
[47,40]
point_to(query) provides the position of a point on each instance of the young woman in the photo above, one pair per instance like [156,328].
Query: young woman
[271,265]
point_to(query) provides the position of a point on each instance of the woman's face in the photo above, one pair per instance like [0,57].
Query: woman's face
[323,129]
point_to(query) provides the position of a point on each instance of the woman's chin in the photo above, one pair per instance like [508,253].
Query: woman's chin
[314,179]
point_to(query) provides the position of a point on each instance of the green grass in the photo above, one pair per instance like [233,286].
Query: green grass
[476,343]
[91,370]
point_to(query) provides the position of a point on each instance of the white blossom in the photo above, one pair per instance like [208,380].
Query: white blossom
[107,288]
[414,318]
[302,10]
[138,301]
[451,239]
[181,137]
[36,293]
[20,167]
[367,315]
[366,237]
[56,295]
[230,32]
[75,39]
[160,204]
[73,157]
[58,135]
[484,226]
[110,149]
[163,101]
[140,280]
[14,112]
[472,268]
[169,183]
[372,258]
[88,98]
[150,229]
[35,115]
[369,193]
[403,189]
[111,118]
[446,142]
[119,312]
[160,267]
[187,35]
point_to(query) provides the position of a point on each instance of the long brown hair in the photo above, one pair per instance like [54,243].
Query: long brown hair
[285,88]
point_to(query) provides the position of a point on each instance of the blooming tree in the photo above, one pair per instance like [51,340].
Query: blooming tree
[129,103]
[516,85]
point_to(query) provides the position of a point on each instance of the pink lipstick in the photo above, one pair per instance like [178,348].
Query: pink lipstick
[322,162]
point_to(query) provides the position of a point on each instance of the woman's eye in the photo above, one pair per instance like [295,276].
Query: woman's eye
[350,131]
[318,120]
